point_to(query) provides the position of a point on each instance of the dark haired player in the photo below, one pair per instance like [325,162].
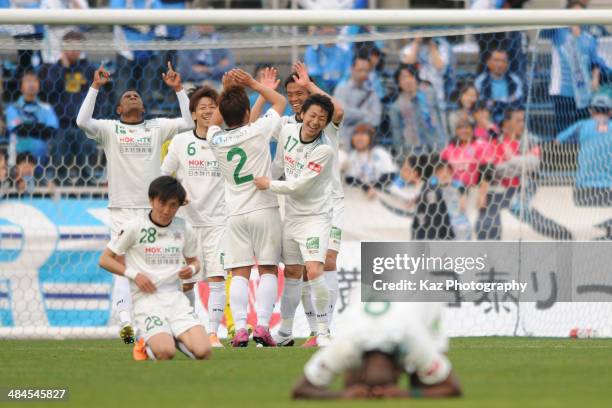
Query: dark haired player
[156,245]
[190,157]
[373,351]
[132,146]
[253,230]
[308,158]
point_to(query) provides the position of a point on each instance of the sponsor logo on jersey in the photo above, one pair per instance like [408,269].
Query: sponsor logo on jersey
[312,243]
[336,233]
[316,167]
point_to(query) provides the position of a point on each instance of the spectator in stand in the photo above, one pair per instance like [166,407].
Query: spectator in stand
[54,34]
[413,128]
[380,78]
[408,184]
[138,69]
[328,64]
[502,180]
[574,72]
[432,220]
[173,32]
[466,99]
[64,86]
[469,158]
[499,88]
[433,58]
[361,104]
[514,42]
[30,122]
[369,167]
[24,177]
[593,185]
[27,60]
[4,174]
[204,65]
[484,128]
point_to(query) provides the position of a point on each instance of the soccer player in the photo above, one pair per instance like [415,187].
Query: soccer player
[253,230]
[299,87]
[132,147]
[156,245]
[190,157]
[308,157]
[379,342]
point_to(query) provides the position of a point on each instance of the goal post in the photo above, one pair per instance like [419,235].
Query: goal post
[428,80]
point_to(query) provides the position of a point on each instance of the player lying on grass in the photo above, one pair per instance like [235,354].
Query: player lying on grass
[132,147]
[253,228]
[307,157]
[155,246]
[190,157]
[378,343]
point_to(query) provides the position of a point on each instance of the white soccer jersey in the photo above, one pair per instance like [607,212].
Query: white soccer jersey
[332,132]
[244,154]
[191,158]
[133,152]
[308,169]
[402,329]
[159,252]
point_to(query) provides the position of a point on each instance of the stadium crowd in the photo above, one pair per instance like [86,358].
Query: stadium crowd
[418,128]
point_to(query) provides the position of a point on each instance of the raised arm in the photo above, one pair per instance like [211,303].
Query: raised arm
[301,78]
[243,78]
[269,79]
[85,119]
[173,80]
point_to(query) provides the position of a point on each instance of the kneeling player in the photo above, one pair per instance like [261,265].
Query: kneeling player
[155,246]
[378,343]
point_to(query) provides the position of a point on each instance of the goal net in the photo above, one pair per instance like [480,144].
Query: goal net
[450,132]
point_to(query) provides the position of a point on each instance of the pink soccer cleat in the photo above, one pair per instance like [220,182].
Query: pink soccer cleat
[241,339]
[311,342]
[262,336]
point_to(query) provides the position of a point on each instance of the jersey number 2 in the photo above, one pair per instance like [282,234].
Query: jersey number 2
[238,179]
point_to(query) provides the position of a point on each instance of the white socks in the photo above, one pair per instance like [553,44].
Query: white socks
[331,279]
[320,301]
[311,316]
[122,299]
[266,297]
[216,304]
[289,303]
[239,301]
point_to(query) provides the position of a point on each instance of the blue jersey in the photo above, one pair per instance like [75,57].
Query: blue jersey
[595,156]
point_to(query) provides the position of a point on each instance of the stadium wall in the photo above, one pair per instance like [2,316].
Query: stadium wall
[51,285]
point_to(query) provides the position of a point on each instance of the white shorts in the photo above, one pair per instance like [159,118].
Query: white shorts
[335,233]
[121,216]
[306,239]
[164,312]
[253,236]
[210,243]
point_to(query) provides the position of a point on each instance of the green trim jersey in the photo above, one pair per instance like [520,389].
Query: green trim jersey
[405,330]
[133,152]
[159,252]
[308,169]
[196,167]
[243,154]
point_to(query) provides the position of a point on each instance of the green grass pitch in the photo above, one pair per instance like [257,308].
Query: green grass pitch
[494,372]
